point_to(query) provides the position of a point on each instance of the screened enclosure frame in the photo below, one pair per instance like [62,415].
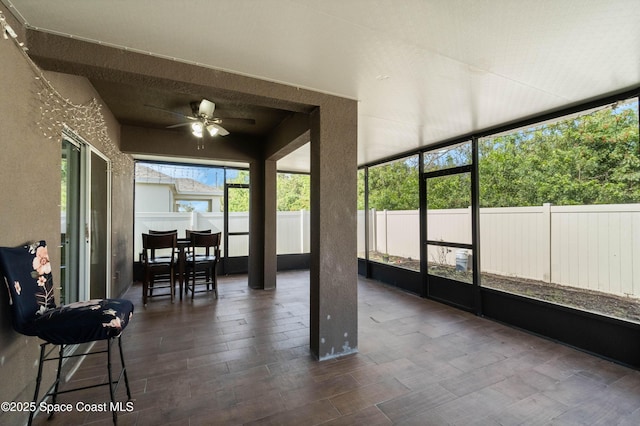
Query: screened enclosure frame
[608,337]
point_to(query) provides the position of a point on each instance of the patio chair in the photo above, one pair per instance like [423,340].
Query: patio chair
[171,231]
[27,274]
[159,271]
[201,264]
[189,231]
[156,232]
[188,235]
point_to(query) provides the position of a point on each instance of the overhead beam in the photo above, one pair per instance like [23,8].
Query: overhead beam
[143,140]
[94,61]
[290,135]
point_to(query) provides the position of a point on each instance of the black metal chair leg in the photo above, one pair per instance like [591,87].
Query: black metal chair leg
[38,380]
[114,412]
[124,369]
[215,283]
[56,386]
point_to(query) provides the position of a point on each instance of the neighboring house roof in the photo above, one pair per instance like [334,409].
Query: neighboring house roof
[183,186]
[190,186]
[147,175]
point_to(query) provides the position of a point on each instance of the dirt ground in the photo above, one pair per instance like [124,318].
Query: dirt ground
[602,303]
[593,301]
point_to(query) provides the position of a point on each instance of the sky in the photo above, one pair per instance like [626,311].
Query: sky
[209,175]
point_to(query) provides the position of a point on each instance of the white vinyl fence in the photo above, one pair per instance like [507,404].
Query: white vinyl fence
[166,221]
[594,247]
[293,229]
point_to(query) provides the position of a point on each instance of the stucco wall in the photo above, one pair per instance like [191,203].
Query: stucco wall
[153,198]
[29,209]
[30,204]
[79,91]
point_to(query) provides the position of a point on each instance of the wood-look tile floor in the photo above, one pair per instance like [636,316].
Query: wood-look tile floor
[244,359]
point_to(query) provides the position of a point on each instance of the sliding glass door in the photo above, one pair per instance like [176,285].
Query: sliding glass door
[98,230]
[85,221]
[69,221]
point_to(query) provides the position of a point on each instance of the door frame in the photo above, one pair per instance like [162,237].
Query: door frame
[236,264]
[83,227]
[460,294]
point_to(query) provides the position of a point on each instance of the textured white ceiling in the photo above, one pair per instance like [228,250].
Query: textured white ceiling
[422,70]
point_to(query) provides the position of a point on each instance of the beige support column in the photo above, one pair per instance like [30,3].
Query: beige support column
[333,272]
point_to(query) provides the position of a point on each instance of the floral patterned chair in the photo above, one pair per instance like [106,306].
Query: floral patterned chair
[27,274]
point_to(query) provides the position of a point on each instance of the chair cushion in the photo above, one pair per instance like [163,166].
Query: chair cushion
[82,322]
[201,258]
[161,260]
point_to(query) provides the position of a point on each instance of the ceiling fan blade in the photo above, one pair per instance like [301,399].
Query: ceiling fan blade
[169,111]
[178,125]
[233,120]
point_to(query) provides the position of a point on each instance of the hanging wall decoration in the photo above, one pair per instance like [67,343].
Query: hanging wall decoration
[58,112]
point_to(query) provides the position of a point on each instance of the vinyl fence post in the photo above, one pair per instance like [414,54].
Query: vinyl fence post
[546,211]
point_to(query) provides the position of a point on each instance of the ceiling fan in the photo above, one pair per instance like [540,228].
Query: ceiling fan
[203,120]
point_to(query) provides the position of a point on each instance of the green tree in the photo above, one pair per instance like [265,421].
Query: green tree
[588,159]
[294,192]
[239,197]
[361,189]
[451,191]
[394,186]
[591,159]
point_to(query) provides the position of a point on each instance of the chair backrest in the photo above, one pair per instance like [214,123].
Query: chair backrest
[153,242]
[172,231]
[189,231]
[207,241]
[27,275]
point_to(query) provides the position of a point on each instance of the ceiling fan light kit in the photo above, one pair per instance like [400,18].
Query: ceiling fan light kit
[196,129]
[202,119]
[212,129]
